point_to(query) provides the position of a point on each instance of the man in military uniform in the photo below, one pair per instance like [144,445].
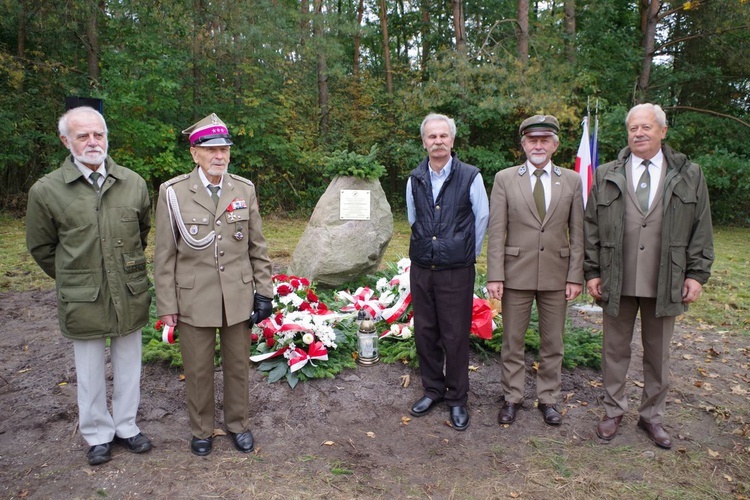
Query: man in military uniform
[86,226]
[212,271]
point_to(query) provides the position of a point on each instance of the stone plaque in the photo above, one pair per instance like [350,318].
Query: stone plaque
[354,204]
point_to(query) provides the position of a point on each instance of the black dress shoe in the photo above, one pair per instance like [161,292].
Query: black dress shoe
[507,413]
[136,444]
[201,447]
[459,418]
[243,441]
[551,415]
[99,454]
[423,406]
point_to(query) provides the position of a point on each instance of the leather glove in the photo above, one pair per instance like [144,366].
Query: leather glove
[262,308]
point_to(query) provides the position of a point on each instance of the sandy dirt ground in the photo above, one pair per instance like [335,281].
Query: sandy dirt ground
[351,437]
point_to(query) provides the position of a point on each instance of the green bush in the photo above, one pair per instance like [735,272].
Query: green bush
[349,163]
[728,179]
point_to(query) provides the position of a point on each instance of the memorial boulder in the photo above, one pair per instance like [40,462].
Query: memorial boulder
[338,244]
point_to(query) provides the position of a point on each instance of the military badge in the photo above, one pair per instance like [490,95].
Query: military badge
[193,229]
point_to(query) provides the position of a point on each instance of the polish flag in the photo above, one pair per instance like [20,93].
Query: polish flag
[584,166]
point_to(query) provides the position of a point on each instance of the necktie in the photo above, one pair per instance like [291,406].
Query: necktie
[214,193]
[644,187]
[95,180]
[541,205]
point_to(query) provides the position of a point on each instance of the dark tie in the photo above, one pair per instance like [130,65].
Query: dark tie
[214,193]
[95,180]
[541,206]
[644,187]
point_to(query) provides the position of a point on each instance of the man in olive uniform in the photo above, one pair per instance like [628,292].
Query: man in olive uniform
[86,226]
[212,272]
[649,249]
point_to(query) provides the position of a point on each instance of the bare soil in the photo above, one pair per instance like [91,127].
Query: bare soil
[352,437]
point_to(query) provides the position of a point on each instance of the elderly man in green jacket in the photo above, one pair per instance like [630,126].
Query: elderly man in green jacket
[648,247]
[86,226]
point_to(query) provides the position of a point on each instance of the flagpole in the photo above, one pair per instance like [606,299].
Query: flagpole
[595,141]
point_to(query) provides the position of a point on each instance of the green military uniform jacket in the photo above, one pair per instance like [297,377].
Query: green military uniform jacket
[213,264]
[686,240]
[93,247]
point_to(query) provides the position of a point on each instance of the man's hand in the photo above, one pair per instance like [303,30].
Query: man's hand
[572,290]
[262,308]
[495,289]
[691,290]
[594,287]
[169,319]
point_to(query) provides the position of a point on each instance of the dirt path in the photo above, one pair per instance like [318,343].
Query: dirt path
[351,436]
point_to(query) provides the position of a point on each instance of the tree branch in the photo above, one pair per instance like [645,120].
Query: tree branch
[698,35]
[709,112]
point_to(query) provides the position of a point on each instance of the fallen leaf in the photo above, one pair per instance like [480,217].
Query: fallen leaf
[65,383]
[687,356]
[329,443]
[24,370]
[536,366]
[707,386]
[24,494]
[219,432]
[473,368]
[405,420]
[637,383]
[405,380]
[513,494]
[584,403]
[595,383]
[738,390]
[714,352]
[728,477]
[370,434]
[698,383]
[568,396]
[181,377]
[712,453]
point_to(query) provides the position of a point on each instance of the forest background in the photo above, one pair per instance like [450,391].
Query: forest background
[297,80]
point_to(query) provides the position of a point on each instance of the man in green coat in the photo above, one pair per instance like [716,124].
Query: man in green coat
[648,247]
[86,226]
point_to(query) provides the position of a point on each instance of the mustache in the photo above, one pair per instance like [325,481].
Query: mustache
[437,147]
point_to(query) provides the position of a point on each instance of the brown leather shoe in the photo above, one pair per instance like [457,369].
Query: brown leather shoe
[507,413]
[607,428]
[551,415]
[656,433]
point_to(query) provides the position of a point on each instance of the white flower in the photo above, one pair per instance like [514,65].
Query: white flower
[382,285]
[308,338]
[395,329]
[405,333]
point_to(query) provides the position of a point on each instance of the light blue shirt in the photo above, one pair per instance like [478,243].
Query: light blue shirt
[480,205]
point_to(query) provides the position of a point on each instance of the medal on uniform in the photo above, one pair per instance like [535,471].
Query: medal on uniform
[193,229]
[232,217]
[238,235]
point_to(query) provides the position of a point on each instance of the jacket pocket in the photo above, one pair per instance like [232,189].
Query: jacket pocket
[184,284]
[565,252]
[605,270]
[81,310]
[677,273]
[512,251]
[134,262]
[139,302]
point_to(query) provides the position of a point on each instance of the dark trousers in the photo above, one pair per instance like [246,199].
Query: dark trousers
[442,302]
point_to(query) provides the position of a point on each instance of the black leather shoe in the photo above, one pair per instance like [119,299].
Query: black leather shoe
[201,447]
[99,454]
[507,413]
[459,418]
[551,415]
[243,441]
[136,444]
[423,406]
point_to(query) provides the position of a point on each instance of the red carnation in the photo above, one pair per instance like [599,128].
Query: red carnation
[311,297]
[284,289]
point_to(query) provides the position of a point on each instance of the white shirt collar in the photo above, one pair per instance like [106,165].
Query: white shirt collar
[531,167]
[86,171]
[656,161]
[205,181]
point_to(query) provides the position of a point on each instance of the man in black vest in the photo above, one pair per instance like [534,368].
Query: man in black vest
[448,209]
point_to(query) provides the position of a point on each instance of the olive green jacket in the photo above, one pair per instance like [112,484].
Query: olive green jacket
[93,247]
[687,249]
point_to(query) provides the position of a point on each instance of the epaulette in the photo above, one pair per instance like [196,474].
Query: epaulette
[177,179]
[241,179]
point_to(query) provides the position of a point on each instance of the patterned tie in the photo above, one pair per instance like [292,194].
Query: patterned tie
[214,193]
[644,187]
[95,181]
[541,205]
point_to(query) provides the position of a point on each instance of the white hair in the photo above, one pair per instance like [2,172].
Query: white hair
[436,116]
[62,125]
[659,114]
